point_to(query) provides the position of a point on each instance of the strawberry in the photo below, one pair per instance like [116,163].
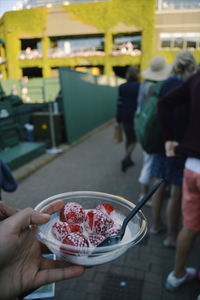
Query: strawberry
[105,208]
[61,229]
[96,222]
[95,240]
[113,230]
[72,213]
[76,239]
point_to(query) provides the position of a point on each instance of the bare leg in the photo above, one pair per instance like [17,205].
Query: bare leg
[144,189]
[157,201]
[145,174]
[173,213]
[185,242]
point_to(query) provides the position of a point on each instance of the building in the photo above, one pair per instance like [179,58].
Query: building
[103,37]
[177,27]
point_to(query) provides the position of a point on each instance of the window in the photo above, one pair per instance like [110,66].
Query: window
[177,4]
[192,40]
[77,46]
[165,39]
[30,49]
[127,44]
[180,40]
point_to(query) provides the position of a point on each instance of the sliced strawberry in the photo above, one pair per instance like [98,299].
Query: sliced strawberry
[61,229]
[72,213]
[95,240]
[105,208]
[76,239]
[96,222]
[113,230]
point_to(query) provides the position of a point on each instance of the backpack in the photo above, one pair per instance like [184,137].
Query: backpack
[147,127]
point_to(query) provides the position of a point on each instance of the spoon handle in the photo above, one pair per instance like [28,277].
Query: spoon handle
[140,204]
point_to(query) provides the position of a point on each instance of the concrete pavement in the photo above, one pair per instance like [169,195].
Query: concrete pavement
[94,164]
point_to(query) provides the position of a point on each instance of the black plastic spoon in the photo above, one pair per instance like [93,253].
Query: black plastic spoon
[114,239]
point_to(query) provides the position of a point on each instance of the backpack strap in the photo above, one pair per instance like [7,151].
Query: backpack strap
[157,88]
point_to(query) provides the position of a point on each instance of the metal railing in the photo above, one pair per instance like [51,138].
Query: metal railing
[177,4]
[49,3]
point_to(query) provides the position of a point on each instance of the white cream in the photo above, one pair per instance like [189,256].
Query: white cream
[94,257]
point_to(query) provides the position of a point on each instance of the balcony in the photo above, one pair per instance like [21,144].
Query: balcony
[30,54]
[61,53]
[126,45]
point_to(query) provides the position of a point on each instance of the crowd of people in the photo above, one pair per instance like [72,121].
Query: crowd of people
[178,162]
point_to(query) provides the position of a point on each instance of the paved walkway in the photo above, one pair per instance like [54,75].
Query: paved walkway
[94,164]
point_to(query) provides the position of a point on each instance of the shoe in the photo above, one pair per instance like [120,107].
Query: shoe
[126,164]
[172,282]
[130,163]
[168,244]
[156,231]
[123,166]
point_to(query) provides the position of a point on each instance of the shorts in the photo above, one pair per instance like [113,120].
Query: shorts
[169,168]
[145,173]
[191,200]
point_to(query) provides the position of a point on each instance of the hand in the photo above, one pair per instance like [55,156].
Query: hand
[6,210]
[170,148]
[22,267]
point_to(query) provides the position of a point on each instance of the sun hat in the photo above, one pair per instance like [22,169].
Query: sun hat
[158,69]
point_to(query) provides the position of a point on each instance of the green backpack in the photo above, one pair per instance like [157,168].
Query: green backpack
[147,127]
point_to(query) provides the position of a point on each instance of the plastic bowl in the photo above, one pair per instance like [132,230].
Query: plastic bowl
[135,231]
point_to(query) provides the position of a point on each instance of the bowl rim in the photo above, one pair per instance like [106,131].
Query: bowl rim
[139,235]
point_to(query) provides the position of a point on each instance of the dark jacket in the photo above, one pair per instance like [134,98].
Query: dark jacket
[179,117]
[189,93]
[127,101]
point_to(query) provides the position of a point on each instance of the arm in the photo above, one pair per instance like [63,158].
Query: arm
[119,106]
[170,148]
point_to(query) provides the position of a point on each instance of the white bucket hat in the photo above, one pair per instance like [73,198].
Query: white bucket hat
[158,70]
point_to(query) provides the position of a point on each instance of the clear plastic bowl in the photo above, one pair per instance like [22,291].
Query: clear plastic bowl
[135,231]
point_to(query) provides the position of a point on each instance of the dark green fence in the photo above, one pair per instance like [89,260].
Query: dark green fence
[39,89]
[88,101]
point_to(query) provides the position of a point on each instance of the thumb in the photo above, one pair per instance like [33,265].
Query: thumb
[26,217]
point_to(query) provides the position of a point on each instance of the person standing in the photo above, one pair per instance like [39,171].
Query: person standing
[126,107]
[190,148]
[158,70]
[172,168]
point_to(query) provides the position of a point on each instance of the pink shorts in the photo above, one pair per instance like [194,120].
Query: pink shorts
[191,200]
